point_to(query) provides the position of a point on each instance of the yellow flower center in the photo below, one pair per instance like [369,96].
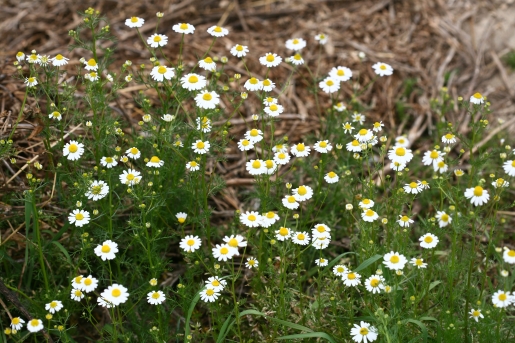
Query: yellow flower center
[239,48]
[363,132]
[253,80]
[331,175]
[16,321]
[254,132]
[355,143]
[441,164]
[181,220]
[366,201]
[73,148]
[190,242]
[513,163]
[109,159]
[252,218]
[34,322]
[200,145]
[59,57]
[394,259]
[106,248]
[210,292]
[245,142]
[369,213]
[434,154]
[444,218]
[193,79]
[134,19]
[428,239]
[329,82]
[19,54]
[78,279]
[56,114]
[363,331]
[476,313]
[183,26]
[340,269]
[193,164]
[477,95]
[161,70]
[208,60]
[155,159]
[419,262]
[295,41]
[478,191]
[270,215]
[413,184]
[79,216]
[207,96]
[215,283]
[405,218]
[301,147]
[256,164]
[282,156]
[96,189]
[340,72]
[283,231]
[270,58]
[323,144]
[274,107]
[116,293]
[217,29]
[266,82]
[302,190]
[53,304]
[92,62]
[269,164]
[297,57]
[351,276]
[157,39]
[291,199]
[301,236]
[251,262]
[374,282]
[224,251]
[511,253]
[400,151]
[155,295]
[382,67]
[449,136]
[130,177]
[88,281]
[502,297]
[78,293]
[233,242]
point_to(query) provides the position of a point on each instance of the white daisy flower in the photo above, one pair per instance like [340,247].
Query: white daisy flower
[79,217]
[441,167]
[269,101]
[200,147]
[320,231]
[321,38]
[369,215]
[17,323]
[404,221]
[270,60]
[428,241]
[443,218]
[477,99]
[217,31]
[301,238]
[502,299]
[216,283]
[374,283]
[432,158]
[253,84]
[254,135]
[133,153]
[88,284]
[33,58]
[55,115]
[181,217]
[207,100]
[97,190]
[340,107]
[476,314]
[509,255]
[134,22]
[331,177]
[251,219]
[190,243]
[107,251]
[59,60]
[274,110]
[268,85]
[509,167]
[402,142]
[160,73]
[209,295]
[235,242]
[321,262]
[351,279]
[73,150]
[192,166]
[400,154]
[354,146]
[329,85]
[398,167]
[363,332]
[477,195]
[290,202]
[222,252]
[341,74]
[302,193]
[207,64]
[157,40]
[300,150]
[35,325]
[91,65]
[378,126]
[283,233]
[382,69]
[323,147]
[130,177]
[193,82]
[449,138]
[268,219]
[76,294]
[281,158]
[394,260]
[256,167]
[155,162]
[167,117]
[20,56]
[418,262]
[54,306]
[251,262]
[364,135]
[108,162]
[184,28]
[239,50]
[156,297]
[295,44]
[115,294]
[366,203]
[245,145]
[413,188]
[500,183]
[339,270]
[296,59]
[270,167]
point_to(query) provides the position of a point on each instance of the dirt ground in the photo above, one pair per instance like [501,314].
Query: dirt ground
[429,41]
